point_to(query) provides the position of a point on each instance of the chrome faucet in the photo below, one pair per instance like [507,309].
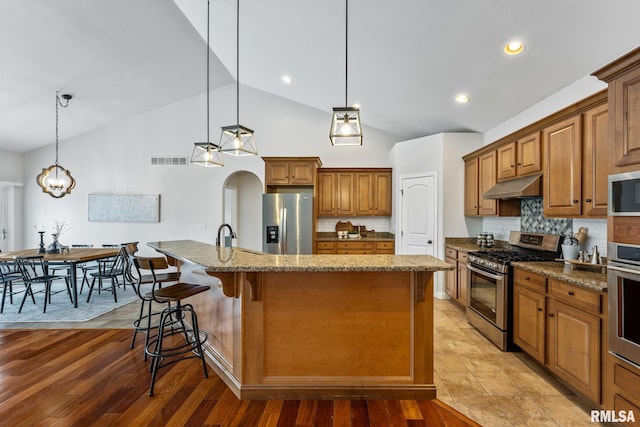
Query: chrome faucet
[231,233]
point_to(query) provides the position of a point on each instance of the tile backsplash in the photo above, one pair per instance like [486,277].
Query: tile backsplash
[377,223]
[532,220]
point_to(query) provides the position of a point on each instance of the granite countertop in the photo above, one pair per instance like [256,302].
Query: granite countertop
[588,279]
[219,259]
[469,244]
[369,237]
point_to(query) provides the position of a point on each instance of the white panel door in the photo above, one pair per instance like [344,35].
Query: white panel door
[418,207]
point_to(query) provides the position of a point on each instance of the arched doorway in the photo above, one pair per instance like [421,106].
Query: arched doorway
[242,208]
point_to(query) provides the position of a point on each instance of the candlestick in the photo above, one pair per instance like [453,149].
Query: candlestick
[41,249]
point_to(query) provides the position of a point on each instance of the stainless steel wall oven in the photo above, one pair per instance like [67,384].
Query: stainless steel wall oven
[624,301]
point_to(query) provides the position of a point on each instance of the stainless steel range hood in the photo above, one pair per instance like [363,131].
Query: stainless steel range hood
[527,186]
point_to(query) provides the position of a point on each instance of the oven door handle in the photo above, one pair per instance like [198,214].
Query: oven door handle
[485,273]
[622,269]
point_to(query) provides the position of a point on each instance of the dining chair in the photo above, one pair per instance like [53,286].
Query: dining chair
[150,273]
[34,270]
[113,269]
[8,275]
[85,267]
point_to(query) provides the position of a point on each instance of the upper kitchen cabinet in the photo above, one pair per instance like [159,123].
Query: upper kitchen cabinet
[520,158]
[562,168]
[354,192]
[480,174]
[577,157]
[623,77]
[290,171]
[597,158]
[373,193]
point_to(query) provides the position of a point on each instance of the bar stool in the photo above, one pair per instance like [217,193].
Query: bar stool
[158,276]
[166,347]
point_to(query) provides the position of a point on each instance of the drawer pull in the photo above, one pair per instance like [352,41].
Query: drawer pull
[539,308]
[550,314]
[570,293]
[527,278]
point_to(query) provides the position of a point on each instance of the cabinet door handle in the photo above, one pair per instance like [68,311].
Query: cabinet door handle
[588,200]
[550,314]
[512,166]
[539,308]
[527,278]
[570,293]
[519,164]
[575,201]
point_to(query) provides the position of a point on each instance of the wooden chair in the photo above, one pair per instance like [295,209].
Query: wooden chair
[157,277]
[34,270]
[167,346]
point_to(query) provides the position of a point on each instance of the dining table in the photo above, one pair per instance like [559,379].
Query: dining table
[70,257]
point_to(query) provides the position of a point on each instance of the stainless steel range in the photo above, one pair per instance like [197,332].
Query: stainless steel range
[490,281]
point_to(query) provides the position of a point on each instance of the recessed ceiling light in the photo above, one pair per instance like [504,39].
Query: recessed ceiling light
[286,79]
[462,98]
[514,47]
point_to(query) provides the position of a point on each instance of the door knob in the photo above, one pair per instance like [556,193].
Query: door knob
[429,241]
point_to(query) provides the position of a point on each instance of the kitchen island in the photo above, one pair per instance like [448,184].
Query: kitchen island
[314,326]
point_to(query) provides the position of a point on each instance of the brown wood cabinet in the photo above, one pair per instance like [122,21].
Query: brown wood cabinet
[623,78]
[479,176]
[456,282]
[529,313]
[354,192]
[625,386]
[348,247]
[561,326]
[519,158]
[573,347]
[562,168]
[597,160]
[290,170]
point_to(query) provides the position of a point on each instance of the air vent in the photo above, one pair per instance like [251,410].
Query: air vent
[169,161]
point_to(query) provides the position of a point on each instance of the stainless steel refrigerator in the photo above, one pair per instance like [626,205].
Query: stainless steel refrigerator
[287,223]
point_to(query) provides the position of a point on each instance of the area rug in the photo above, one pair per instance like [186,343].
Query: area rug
[60,309]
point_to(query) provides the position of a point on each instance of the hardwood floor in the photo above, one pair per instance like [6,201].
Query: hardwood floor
[73,377]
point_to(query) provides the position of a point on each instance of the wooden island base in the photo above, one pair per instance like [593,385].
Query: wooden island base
[319,335]
[314,326]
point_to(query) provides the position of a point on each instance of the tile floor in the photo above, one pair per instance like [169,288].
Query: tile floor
[492,387]
[496,388]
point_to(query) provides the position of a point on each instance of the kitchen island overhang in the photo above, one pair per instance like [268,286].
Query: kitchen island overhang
[314,326]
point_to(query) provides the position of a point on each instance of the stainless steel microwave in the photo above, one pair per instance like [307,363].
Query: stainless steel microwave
[624,194]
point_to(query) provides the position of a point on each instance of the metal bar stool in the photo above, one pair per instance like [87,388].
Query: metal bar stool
[157,277]
[168,347]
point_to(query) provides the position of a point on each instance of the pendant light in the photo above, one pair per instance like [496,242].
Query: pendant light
[346,127]
[55,180]
[207,153]
[238,140]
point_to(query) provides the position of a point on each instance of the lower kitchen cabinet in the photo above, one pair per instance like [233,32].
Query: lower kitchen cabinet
[346,247]
[625,386]
[456,280]
[529,321]
[573,347]
[561,326]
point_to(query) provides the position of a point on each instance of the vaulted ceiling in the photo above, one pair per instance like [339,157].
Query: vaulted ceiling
[407,59]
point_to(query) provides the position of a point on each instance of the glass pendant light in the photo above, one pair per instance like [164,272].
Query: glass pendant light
[346,127]
[207,153]
[238,140]
[55,180]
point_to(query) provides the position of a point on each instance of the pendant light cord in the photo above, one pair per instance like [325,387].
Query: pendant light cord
[57,102]
[238,64]
[346,54]
[208,140]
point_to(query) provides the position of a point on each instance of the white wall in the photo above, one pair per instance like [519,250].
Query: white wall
[116,159]
[442,154]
